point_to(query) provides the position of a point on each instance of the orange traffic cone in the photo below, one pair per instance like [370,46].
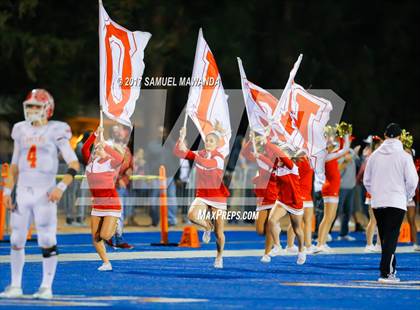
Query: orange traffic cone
[189,238]
[405,233]
[29,236]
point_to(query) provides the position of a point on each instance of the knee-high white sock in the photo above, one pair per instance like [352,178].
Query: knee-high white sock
[17,260]
[49,265]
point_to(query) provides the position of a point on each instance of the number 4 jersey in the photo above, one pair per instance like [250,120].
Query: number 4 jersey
[36,151]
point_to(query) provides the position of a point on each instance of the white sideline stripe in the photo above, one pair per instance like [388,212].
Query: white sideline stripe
[75,245]
[357,285]
[182,254]
[86,301]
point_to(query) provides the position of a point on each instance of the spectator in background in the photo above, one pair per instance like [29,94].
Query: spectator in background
[347,166]
[159,152]
[119,137]
[6,145]
[181,187]
[360,188]
[371,226]
[139,186]
[412,204]
[82,192]
[239,178]
[67,202]
[416,204]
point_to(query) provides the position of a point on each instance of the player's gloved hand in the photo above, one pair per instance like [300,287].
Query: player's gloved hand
[7,202]
[55,195]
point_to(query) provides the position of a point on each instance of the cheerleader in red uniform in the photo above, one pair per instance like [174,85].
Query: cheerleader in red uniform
[407,141]
[306,174]
[289,200]
[330,190]
[101,173]
[371,226]
[211,193]
[265,188]
[411,213]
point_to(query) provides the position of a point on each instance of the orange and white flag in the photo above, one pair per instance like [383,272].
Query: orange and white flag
[121,67]
[207,102]
[302,117]
[260,104]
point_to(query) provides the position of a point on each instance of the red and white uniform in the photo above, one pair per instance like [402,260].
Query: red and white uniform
[102,175]
[306,174]
[288,184]
[331,187]
[412,202]
[209,176]
[35,153]
[265,181]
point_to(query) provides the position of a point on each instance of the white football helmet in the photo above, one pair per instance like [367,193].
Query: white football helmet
[44,101]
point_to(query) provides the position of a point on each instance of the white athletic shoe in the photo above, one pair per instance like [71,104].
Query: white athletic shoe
[416,247]
[301,258]
[378,248]
[105,267]
[11,292]
[391,279]
[346,238]
[43,293]
[265,259]
[369,249]
[328,248]
[310,250]
[218,263]
[293,249]
[275,251]
[322,249]
[329,238]
[206,236]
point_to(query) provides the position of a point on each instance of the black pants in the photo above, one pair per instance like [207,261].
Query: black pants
[389,221]
[319,211]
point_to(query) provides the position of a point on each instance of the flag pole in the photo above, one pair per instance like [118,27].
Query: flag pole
[243,77]
[101,117]
[200,34]
[101,124]
[254,145]
[289,83]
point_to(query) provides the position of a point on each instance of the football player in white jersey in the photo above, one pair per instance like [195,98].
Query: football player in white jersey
[37,143]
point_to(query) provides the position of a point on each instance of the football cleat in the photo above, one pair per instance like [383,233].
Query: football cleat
[124,245]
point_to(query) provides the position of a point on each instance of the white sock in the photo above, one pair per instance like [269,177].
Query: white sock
[49,265]
[17,260]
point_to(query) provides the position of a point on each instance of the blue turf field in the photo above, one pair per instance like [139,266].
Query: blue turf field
[325,281]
